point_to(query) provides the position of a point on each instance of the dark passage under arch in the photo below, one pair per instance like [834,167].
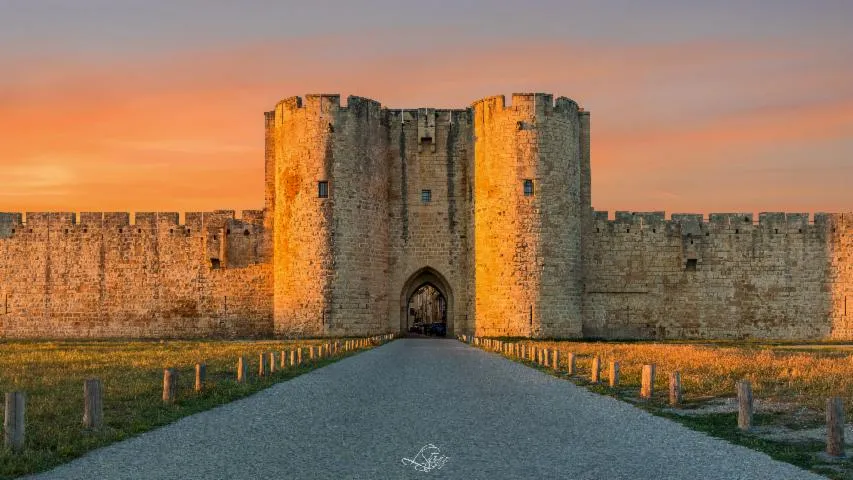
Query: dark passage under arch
[427,311]
[426,304]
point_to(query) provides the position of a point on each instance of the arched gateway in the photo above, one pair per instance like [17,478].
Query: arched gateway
[425,303]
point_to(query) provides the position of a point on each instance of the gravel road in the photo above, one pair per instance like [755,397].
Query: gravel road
[488,417]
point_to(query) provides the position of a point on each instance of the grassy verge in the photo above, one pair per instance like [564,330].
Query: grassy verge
[790,382]
[52,374]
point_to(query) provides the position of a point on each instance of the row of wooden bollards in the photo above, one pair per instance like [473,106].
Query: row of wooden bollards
[550,358]
[93,389]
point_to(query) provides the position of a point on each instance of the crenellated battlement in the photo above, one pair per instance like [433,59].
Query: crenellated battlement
[325,104]
[736,222]
[443,117]
[125,222]
[536,104]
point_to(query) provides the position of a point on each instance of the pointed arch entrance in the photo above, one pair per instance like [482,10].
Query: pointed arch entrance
[426,303]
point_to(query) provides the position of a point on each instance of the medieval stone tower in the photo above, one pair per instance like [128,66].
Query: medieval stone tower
[487,204]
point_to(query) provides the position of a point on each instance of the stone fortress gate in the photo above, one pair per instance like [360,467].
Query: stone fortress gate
[488,206]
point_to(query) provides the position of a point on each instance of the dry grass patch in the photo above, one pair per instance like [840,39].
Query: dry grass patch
[778,374]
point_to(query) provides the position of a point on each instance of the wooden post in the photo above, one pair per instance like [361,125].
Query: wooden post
[93,403]
[292,358]
[311,353]
[262,365]
[170,385]
[675,389]
[272,362]
[556,364]
[200,376]
[570,363]
[241,370]
[299,356]
[648,381]
[13,421]
[546,357]
[614,373]
[595,375]
[834,427]
[283,363]
[744,402]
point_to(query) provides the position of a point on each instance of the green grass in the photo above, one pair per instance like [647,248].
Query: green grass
[52,375]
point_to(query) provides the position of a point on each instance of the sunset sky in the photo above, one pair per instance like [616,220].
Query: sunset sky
[697,106]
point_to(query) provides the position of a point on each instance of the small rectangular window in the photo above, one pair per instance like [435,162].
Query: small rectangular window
[528,187]
[691,264]
[323,189]
[426,196]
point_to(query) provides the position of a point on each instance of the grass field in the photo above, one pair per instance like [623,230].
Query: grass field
[787,373]
[791,383]
[52,375]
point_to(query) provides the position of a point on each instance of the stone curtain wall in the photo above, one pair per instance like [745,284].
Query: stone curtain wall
[527,259]
[728,277]
[100,276]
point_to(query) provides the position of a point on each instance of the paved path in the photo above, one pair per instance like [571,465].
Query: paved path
[358,418]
